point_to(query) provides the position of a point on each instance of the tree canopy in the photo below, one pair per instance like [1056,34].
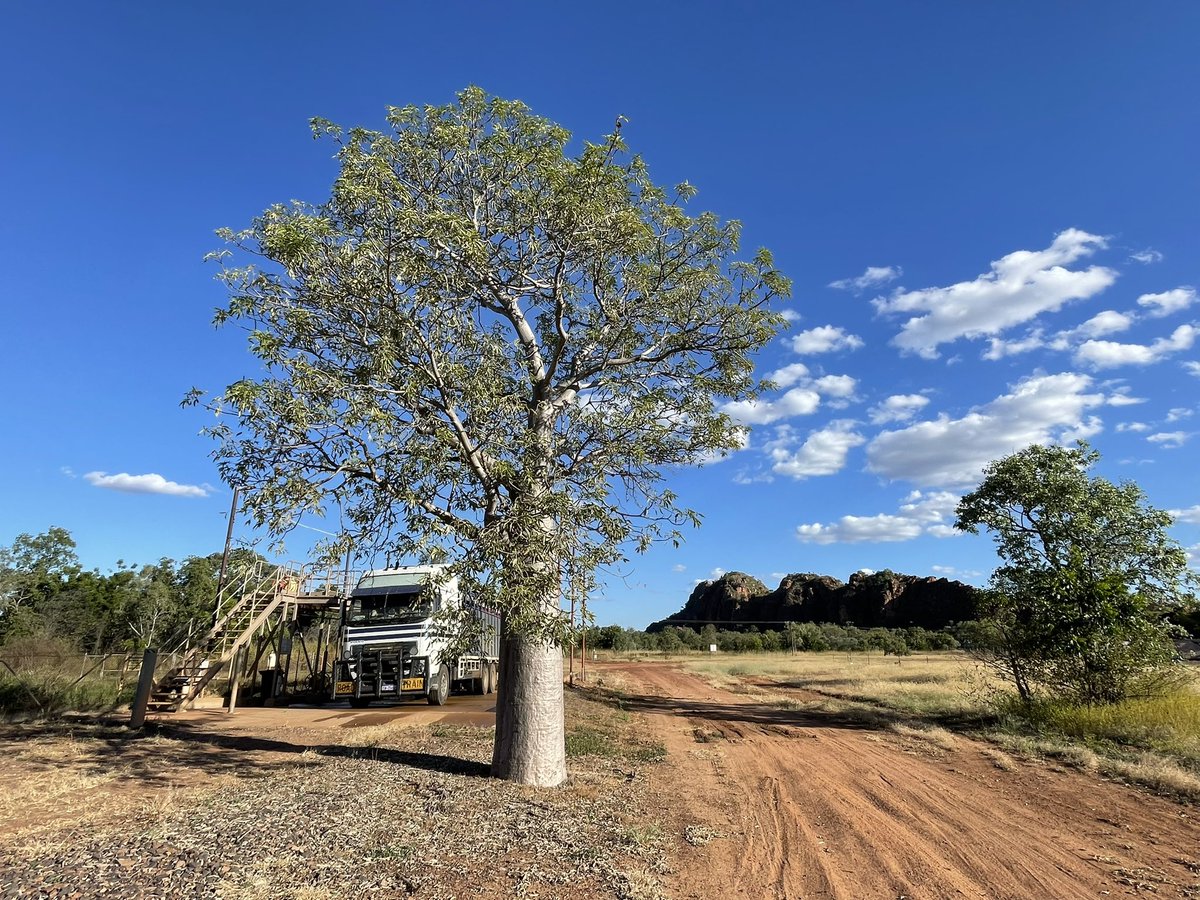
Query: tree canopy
[1088,574]
[46,596]
[488,349]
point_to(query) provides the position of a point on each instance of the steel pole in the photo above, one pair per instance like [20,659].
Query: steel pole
[225,556]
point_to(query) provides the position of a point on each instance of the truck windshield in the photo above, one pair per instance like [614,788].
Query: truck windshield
[380,609]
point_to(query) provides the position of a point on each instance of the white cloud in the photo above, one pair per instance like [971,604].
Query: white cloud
[796,402]
[874,275]
[1120,397]
[1171,440]
[1109,354]
[825,339]
[919,514]
[1168,302]
[1191,515]
[803,398]
[679,567]
[1107,322]
[1038,410]
[789,375]
[1020,286]
[150,483]
[1193,368]
[1084,430]
[839,386]
[1179,412]
[897,408]
[1132,426]
[823,453]
[790,314]
[998,348]
[1146,257]
[951,571]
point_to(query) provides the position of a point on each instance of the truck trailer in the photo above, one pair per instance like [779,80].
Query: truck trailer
[393,645]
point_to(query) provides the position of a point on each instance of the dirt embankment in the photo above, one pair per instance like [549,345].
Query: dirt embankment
[795,803]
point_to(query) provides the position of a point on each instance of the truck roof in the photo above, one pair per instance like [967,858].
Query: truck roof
[400,577]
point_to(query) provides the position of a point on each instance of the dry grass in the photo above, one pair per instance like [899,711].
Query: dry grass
[930,734]
[395,811]
[1153,742]
[935,685]
[61,776]
[1000,759]
[1160,773]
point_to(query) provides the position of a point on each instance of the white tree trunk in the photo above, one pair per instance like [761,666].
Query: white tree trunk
[530,745]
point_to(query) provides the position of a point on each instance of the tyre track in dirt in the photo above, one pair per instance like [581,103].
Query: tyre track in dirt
[810,805]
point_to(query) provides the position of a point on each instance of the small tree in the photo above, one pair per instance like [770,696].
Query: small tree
[486,350]
[1078,606]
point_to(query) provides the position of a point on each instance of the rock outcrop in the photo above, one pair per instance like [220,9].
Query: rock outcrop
[868,600]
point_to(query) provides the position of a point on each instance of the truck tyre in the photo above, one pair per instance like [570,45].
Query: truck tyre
[360,702]
[493,676]
[479,685]
[439,687]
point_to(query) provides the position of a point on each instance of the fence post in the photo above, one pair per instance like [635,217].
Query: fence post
[137,716]
[235,670]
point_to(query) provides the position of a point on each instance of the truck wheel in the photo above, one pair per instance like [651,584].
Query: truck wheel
[360,702]
[492,677]
[439,687]
[479,685]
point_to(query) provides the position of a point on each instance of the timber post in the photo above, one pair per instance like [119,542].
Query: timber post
[137,713]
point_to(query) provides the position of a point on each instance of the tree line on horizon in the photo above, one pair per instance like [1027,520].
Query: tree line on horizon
[55,607]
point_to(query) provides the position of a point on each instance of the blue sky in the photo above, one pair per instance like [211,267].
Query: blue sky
[989,212]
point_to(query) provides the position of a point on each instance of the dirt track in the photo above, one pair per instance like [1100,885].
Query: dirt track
[807,806]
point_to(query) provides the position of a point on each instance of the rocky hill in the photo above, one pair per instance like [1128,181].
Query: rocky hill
[878,599]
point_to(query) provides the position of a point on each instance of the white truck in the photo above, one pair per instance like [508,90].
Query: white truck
[392,646]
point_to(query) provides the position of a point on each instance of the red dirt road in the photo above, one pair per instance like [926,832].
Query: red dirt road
[805,805]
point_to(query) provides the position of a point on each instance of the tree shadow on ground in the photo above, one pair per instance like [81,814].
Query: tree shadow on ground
[167,754]
[434,762]
[803,713]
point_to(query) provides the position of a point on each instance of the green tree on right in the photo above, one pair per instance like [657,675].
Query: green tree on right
[1078,608]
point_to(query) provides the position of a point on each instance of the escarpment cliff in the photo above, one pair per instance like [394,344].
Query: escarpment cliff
[884,599]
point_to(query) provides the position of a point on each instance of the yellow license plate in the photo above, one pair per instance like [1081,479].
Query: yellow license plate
[412,684]
[344,687]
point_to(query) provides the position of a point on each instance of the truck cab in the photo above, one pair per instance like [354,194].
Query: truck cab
[391,647]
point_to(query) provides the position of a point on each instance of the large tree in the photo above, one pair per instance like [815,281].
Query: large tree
[1078,606]
[487,348]
[32,570]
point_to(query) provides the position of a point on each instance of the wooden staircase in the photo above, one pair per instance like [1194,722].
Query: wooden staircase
[246,605]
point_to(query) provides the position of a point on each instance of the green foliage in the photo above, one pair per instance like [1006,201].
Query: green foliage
[798,636]
[48,597]
[1169,722]
[49,691]
[590,742]
[1078,607]
[1188,619]
[485,349]
[32,571]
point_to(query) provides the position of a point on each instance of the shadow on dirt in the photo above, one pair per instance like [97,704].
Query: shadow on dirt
[807,710]
[433,762]
[173,754]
